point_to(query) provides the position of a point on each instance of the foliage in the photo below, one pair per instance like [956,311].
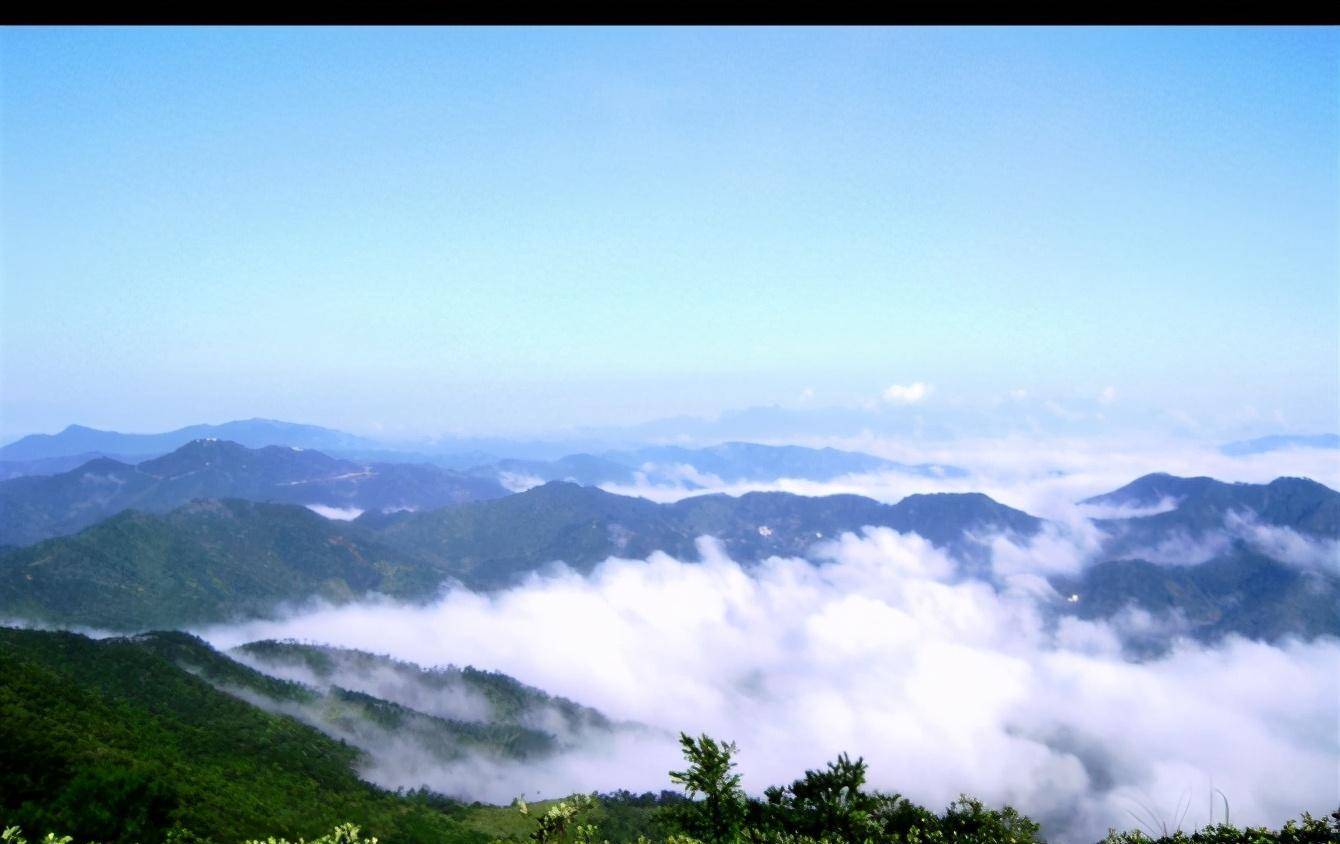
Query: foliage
[1307,830]
[108,741]
[719,817]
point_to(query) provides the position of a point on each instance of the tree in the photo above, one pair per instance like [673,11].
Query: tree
[718,817]
[826,802]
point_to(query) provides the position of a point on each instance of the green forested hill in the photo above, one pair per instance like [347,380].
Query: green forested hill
[216,560]
[488,543]
[112,741]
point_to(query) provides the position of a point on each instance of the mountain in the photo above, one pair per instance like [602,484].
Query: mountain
[40,507]
[253,433]
[729,463]
[490,543]
[1240,592]
[1153,490]
[113,740]
[204,562]
[1207,509]
[1214,558]
[1279,442]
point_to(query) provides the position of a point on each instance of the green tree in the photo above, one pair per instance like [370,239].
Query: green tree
[828,802]
[718,817]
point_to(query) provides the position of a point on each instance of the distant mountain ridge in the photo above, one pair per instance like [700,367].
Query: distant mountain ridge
[252,433]
[515,462]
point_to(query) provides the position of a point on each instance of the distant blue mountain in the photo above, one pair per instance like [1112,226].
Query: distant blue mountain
[1262,445]
[252,433]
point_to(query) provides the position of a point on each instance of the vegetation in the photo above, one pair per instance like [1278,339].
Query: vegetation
[827,806]
[111,742]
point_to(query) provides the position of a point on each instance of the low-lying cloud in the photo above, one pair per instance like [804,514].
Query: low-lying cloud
[944,685]
[343,514]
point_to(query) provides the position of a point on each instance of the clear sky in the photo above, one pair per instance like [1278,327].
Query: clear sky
[498,230]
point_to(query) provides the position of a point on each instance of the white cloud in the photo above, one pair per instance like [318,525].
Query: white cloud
[342,514]
[519,481]
[906,393]
[1107,395]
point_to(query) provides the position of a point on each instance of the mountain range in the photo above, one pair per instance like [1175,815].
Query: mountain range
[217,560]
[213,560]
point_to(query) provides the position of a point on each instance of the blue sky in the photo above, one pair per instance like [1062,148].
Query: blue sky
[509,230]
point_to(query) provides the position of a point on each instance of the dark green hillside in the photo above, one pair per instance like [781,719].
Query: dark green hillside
[112,741]
[207,561]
